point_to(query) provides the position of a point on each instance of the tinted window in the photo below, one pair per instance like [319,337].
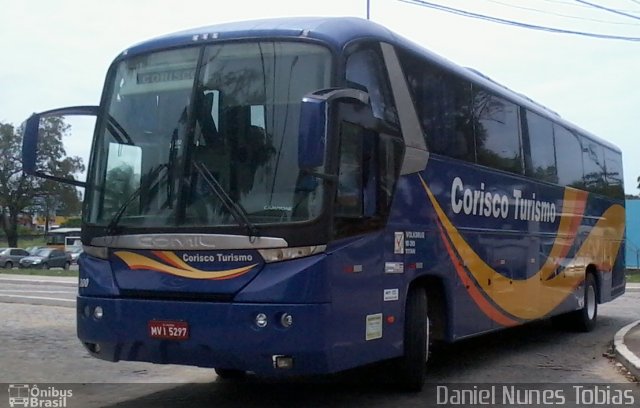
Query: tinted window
[569,158]
[365,67]
[594,169]
[349,197]
[443,105]
[390,150]
[43,252]
[613,163]
[497,132]
[540,156]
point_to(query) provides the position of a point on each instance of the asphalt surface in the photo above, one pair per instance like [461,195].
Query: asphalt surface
[39,345]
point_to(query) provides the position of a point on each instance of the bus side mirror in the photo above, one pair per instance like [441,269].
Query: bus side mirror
[314,118]
[63,130]
[312,136]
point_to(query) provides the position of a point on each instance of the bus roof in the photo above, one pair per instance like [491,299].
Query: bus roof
[337,32]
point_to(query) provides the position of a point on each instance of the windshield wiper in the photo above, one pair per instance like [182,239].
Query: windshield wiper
[236,209]
[113,223]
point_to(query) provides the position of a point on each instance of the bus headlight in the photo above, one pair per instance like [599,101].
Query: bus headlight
[261,320]
[286,320]
[284,254]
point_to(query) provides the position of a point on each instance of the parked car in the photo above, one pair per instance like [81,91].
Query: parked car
[46,258]
[74,253]
[10,257]
[33,249]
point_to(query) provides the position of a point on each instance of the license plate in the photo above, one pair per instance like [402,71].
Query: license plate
[168,330]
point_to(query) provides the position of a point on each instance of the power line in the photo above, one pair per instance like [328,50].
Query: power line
[560,14]
[610,10]
[517,23]
[571,3]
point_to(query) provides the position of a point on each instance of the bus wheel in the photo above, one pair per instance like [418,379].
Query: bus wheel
[230,374]
[585,318]
[412,367]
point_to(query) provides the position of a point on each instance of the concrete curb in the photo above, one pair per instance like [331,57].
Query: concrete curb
[624,355]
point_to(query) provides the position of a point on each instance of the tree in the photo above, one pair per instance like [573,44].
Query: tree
[19,191]
[74,222]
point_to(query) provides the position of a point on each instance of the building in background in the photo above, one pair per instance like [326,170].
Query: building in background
[632,256]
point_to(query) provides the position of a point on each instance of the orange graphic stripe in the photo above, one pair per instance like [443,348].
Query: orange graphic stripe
[541,293]
[137,261]
[484,305]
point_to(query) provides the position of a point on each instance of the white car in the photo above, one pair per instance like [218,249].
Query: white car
[74,253]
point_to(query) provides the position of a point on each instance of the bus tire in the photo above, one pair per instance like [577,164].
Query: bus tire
[584,320]
[412,366]
[230,374]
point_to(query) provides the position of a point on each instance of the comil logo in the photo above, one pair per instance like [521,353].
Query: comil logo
[32,396]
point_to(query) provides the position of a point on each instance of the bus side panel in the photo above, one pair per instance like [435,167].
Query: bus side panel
[360,332]
[415,241]
[519,249]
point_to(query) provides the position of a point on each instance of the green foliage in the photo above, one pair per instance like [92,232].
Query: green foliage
[41,272]
[74,222]
[633,277]
[19,191]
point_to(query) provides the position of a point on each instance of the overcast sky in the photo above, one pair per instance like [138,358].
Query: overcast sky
[56,53]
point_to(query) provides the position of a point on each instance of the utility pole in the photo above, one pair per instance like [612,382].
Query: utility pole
[368,15]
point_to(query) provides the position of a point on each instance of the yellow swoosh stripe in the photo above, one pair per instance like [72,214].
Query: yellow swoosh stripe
[172,259]
[137,261]
[484,304]
[537,296]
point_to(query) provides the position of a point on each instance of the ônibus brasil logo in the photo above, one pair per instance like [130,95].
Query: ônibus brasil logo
[32,396]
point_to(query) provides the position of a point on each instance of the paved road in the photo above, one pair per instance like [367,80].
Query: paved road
[39,345]
[29,290]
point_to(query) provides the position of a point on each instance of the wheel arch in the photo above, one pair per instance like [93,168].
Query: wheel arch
[437,304]
[593,270]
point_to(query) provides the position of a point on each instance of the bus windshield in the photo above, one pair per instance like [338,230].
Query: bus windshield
[187,131]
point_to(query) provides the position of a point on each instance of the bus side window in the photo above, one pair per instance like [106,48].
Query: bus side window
[570,156]
[613,161]
[443,104]
[390,153]
[365,67]
[594,166]
[540,157]
[497,132]
[349,202]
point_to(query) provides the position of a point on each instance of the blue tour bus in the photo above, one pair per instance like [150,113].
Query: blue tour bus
[307,195]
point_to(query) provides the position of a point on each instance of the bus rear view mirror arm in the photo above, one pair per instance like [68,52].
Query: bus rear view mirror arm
[32,136]
[314,120]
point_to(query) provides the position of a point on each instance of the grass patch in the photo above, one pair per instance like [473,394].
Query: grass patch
[40,272]
[633,277]
[25,242]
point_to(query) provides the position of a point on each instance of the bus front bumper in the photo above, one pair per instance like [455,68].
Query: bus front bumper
[220,335]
